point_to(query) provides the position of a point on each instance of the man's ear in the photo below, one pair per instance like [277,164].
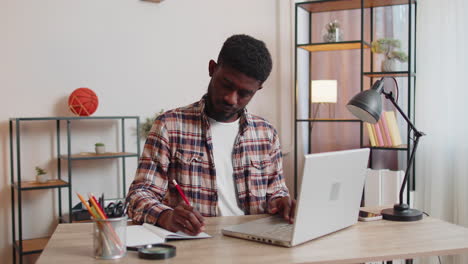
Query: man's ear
[212,67]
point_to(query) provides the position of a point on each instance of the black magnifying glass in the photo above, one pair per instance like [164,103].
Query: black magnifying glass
[155,251]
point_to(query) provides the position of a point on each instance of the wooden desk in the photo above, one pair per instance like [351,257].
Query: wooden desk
[365,241]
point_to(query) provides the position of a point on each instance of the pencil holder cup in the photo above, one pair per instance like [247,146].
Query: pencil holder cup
[109,236]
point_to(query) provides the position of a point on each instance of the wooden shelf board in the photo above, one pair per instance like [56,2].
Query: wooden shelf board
[30,185]
[32,246]
[399,147]
[328,120]
[389,74]
[71,118]
[338,5]
[347,45]
[92,155]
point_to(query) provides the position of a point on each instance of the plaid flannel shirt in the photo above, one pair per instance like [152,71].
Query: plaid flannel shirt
[179,147]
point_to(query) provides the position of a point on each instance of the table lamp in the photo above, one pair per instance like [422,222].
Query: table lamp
[367,106]
[323,91]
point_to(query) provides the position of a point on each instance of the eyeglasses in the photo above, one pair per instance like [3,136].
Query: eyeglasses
[115,209]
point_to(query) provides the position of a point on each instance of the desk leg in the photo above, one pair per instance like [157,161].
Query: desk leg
[407,261]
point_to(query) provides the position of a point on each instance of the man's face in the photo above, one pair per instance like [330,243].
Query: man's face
[229,92]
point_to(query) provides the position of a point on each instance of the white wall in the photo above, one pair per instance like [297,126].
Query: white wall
[139,57]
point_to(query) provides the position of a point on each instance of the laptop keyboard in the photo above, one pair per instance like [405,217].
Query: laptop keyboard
[282,231]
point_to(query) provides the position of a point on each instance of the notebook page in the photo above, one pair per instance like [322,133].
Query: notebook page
[137,235]
[171,235]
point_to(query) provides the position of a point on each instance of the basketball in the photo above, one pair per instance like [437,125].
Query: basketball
[83,102]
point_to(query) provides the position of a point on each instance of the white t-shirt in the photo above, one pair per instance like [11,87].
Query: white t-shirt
[223,136]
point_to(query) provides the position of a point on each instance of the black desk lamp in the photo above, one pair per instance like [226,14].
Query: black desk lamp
[367,106]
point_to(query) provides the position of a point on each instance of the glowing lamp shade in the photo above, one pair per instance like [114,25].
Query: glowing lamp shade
[324,91]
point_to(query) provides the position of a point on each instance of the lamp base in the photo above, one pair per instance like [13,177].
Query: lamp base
[401,212]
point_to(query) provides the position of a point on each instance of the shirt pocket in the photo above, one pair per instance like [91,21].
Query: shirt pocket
[189,165]
[258,177]
[187,169]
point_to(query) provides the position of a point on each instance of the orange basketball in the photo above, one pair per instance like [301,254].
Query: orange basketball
[83,102]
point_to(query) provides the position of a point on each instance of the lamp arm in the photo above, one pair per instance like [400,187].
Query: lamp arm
[408,167]
[417,135]
[390,97]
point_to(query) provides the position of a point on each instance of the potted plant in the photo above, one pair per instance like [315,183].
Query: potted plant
[333,32]
[100,148]
[146,126]
[41,175]
[389,47]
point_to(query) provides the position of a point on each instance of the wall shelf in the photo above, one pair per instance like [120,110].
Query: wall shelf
[389,74]
[22,246]
[32,246]
[91,155]
[333,46]
[328,120]
[403,147]
[34,185]
[340,5]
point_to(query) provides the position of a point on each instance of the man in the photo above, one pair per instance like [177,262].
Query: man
[226,160]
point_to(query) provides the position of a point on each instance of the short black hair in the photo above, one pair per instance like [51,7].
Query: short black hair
[247,55]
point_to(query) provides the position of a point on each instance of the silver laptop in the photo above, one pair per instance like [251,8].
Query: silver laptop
[328,200]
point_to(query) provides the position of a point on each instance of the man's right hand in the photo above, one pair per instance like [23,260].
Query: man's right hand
[183,218]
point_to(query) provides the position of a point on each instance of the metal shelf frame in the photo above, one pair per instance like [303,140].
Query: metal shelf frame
[319,6]
[20,246]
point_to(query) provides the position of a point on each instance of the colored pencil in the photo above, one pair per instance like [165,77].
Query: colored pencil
[181,192]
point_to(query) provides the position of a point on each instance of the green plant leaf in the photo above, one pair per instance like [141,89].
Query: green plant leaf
[145,128]
[40,171]
[388,47]
[399,55]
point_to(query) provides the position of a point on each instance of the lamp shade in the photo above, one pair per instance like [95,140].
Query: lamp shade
[367,105]
[324,91]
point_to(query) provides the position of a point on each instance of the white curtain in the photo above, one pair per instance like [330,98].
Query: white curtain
[441,112]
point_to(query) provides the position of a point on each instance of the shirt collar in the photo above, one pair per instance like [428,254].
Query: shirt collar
[245,117]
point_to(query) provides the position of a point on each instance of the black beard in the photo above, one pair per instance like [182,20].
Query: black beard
[209,111]
[218,116]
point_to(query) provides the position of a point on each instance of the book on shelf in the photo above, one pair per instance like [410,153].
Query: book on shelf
[391,183]
[382,187]
[146,234]
[376,143]
[372,188]
[385,131]
[370,131]
[378,135]
[393,127]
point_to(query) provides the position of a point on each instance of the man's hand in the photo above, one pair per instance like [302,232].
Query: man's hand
[285,207]
[183,218]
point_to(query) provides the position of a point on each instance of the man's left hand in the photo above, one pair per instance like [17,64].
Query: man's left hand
[284,206]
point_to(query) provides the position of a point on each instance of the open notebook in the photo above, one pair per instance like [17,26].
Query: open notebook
[146,234]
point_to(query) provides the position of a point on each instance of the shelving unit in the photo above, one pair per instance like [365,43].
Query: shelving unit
[34,185]
[342,45]
[22,247]
[304,63]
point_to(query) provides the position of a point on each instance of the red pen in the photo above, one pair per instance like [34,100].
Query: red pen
[181,192]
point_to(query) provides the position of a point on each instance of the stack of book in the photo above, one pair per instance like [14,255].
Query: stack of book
[382,187]
[384,133]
